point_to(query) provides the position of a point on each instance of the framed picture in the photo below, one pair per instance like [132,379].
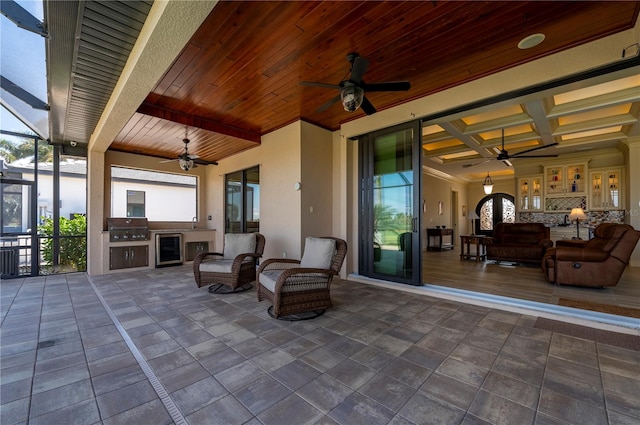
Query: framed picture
[440,207]
[464,210]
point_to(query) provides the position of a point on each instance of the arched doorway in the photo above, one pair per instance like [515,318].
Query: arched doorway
[493,209]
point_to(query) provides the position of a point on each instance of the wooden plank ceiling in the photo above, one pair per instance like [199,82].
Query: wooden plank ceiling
[238,78]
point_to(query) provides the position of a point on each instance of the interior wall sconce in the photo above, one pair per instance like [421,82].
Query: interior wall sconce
[487,185]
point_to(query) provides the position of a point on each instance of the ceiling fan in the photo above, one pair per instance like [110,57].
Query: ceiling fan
[351,91]
[186,160]
[504,156]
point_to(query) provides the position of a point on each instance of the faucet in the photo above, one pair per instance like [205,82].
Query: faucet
[193,222]
[566,218]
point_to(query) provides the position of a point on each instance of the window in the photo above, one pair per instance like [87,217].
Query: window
[242,212]
[156,195]
[135,203]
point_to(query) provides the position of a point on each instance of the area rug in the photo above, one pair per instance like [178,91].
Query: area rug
[630,342]
[602,308]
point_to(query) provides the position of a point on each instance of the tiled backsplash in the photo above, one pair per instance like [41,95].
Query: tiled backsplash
[553,219]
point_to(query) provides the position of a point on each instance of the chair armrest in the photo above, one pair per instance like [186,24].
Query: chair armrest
[203,256]
[564,253]
[572,243]
[302,276]
[278,264]
[545,243]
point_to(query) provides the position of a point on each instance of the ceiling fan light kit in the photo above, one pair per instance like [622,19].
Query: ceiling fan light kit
[352,97]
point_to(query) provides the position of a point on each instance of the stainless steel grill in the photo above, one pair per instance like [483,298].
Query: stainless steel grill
[128,229]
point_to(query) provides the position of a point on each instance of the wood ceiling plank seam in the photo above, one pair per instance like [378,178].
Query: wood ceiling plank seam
[291,56]
[234,35]
[186,56]
[138,129]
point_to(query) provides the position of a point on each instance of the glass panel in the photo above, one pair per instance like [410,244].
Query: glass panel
[15,208]
[393,204]
[486,215]
[508,211]
[252,199]
[23,63]
[135,203]
[613,200]
[596,190]
[234,202]
[158,187]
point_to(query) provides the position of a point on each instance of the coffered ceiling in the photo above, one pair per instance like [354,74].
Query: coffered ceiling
[239,76]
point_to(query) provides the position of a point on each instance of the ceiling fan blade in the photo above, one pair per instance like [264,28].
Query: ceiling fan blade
[477,163]
[367,107]
[534,156]
[193,156]
[167,160]
[203,162]
[386,86]
[358,69]
[328,104]
[323,85]
[535,149]
[507,163]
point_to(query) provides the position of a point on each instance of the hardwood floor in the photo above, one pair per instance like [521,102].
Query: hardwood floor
[522,282]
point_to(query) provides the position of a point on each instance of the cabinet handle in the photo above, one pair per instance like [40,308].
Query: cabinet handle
[126,255]
[132,254]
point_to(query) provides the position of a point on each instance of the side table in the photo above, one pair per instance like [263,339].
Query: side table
[466,241]
[439,234]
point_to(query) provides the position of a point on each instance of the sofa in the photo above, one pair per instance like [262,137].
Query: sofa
[524,243]
[598,262]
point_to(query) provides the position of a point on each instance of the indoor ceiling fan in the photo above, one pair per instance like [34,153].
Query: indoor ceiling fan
[351,91]
[505,157]
[186,160]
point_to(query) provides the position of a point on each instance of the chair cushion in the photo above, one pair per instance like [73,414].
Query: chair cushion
[216,266]
[238,243]
[318,253]
[306,282]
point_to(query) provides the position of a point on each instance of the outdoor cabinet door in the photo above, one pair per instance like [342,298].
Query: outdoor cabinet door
[139,256]
[124,257]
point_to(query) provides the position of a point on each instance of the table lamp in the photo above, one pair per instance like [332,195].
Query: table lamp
[577,214]
[473,216]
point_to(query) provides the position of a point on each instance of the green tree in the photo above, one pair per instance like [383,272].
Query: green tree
[11,151]
[73,250]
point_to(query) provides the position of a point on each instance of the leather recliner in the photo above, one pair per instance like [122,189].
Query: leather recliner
[597,262]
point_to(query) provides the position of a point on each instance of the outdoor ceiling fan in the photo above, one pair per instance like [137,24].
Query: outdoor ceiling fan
[505,157]
[352,91]
[186,160]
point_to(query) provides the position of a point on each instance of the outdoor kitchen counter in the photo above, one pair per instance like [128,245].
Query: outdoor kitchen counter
[188,236]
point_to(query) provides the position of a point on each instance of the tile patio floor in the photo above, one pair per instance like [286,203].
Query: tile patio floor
[380,356]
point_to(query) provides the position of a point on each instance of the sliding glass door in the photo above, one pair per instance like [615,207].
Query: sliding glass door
[242,213]
[389,206]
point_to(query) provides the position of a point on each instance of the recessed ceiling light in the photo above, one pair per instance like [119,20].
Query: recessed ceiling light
[531,41]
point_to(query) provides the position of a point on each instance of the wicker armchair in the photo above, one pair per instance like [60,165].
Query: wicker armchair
[299,289]
[234,269]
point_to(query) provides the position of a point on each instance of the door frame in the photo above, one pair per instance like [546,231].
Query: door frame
[366,210]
